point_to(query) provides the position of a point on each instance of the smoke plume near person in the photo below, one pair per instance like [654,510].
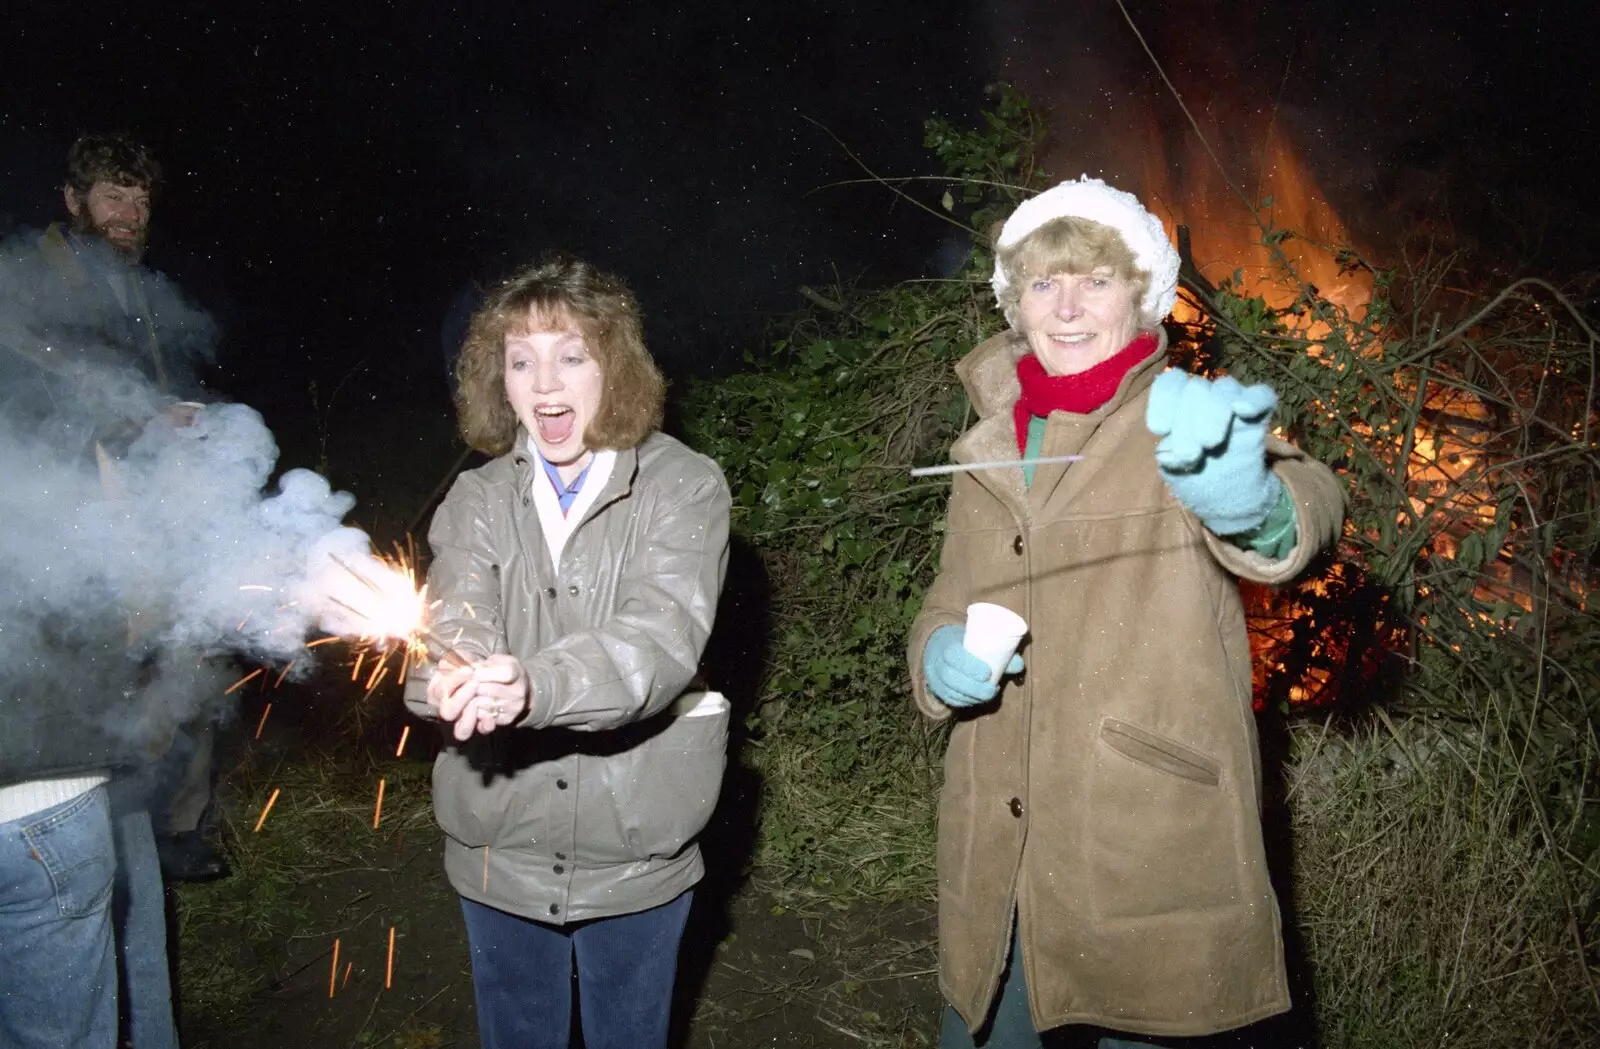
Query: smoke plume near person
[139,537]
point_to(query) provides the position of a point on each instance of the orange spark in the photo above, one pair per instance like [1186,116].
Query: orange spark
[405,734]
[284,672]
[347,967]
[333,975]
[377,812]
[388,969]
[242,681]
[355,671]
[263,722]
[321,641]
[263,817]
[377,672]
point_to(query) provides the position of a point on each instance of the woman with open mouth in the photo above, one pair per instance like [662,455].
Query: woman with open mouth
[576,577]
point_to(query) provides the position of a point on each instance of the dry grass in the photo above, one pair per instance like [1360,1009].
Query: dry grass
[1436,907]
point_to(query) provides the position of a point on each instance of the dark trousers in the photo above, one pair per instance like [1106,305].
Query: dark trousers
[522,977]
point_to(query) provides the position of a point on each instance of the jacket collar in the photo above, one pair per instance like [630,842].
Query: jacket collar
[989,376]
[617,486]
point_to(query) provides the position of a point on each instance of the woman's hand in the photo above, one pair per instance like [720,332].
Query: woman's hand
[957,677]
[1212,452]
[480,697]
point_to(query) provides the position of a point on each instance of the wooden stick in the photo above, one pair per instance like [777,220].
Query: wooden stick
[997,464]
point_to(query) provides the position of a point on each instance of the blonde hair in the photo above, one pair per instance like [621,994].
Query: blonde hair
[553,295]
[1069,245]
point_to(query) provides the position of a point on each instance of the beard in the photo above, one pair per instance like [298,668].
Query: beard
[129,249]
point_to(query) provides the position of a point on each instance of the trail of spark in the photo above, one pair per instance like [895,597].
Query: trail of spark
[405,734]
[263,722]
[263,817]
[333,974]
[377,812]
[242,681]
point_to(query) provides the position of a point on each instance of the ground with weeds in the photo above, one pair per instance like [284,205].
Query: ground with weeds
[762,965]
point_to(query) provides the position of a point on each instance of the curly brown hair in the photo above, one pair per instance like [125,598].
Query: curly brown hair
[115,158]
[560,293]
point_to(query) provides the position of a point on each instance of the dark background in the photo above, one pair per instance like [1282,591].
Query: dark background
[337,171]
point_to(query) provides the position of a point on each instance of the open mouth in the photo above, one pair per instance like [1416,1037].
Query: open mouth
[555,422]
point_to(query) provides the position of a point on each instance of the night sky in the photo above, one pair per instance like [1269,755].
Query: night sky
[338,170]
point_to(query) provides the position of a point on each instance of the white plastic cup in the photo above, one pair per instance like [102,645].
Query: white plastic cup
[993,634]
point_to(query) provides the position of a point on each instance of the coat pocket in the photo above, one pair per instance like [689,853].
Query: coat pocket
[661,792]
[1163,830]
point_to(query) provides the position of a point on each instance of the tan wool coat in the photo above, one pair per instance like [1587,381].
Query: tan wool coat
[1110,799]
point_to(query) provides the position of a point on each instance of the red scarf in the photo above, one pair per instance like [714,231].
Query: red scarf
[1079,393]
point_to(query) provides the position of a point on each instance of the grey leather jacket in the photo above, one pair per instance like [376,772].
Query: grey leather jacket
[588,807]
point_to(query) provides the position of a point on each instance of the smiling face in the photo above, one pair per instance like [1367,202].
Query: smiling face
[119,213]
[1074,321]
[554,384]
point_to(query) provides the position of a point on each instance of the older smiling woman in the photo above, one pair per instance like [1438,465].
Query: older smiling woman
[1100,851]
[578,574]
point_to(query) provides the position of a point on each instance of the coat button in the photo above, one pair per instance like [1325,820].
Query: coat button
[555,908]
[561,855]
[561,784]
[560,869]
[1016,546]
[550,593]
[573,589]
[1015,805]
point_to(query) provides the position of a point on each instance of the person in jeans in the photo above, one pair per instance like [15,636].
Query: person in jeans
[576,577]
[1102,876]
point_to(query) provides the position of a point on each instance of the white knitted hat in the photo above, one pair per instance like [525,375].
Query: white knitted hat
[1090,198]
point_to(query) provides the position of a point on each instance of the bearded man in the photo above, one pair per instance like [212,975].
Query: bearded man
[93,346]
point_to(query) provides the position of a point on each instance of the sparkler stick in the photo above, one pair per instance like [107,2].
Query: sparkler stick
[997,464]
[388,968]
[263,722]
[237,685]
[405,734]
[263,817]
[333,974]
[377,813]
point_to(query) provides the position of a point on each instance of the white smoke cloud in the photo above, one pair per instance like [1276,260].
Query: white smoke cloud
[134,545]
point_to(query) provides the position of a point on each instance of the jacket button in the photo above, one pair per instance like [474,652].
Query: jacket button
[560,869]
[573,589]
[1015,805]
[555,908]
[550,593]
[561,855]
[1016,546]
[561,784]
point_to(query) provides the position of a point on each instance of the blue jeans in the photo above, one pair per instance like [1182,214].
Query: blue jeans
[58,972]
[1010,1023]
[522,977]
[139,909]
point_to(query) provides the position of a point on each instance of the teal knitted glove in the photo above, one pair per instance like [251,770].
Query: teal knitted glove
[956,676]
[1212,451]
